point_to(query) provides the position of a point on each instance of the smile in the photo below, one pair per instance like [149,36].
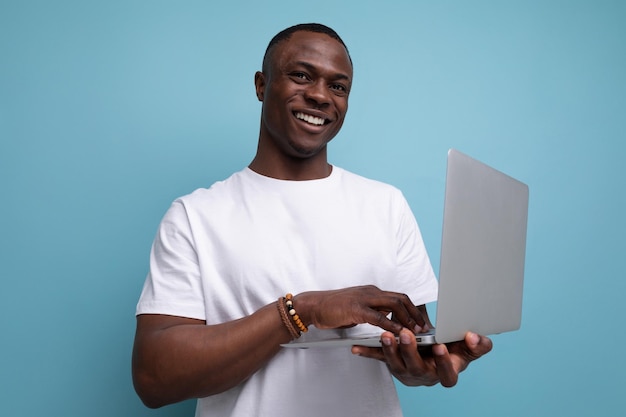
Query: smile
[317,121]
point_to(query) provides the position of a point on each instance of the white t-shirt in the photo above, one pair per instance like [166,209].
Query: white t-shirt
[224,252]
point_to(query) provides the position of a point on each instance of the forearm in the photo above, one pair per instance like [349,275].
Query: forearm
[176,359]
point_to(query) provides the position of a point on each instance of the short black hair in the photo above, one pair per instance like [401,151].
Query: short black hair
[285,34]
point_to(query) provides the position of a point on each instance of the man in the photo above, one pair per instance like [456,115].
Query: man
[214,312]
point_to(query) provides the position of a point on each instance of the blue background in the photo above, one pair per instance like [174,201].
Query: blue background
[110,110]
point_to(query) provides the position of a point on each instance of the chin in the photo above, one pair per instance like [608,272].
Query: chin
[304,152]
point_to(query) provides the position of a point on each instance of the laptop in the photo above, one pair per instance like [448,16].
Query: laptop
[483,251]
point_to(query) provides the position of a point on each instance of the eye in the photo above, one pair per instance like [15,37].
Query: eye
[299,76]
[339,89]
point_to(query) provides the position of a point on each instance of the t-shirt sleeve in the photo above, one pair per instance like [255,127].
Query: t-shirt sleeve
[173,285]
[415,272]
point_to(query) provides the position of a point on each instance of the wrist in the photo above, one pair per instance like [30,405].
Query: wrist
[304,304]
[291,309]
[290,317]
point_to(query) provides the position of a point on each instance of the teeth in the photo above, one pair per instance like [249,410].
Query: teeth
[310,119]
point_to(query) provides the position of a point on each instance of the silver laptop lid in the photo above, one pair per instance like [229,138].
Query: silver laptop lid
[483,250]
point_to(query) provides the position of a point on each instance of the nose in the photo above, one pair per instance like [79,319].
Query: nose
[318,94]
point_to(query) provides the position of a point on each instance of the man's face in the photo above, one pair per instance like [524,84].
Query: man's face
[304,92]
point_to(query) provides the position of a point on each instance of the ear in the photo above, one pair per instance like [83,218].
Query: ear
[259,84]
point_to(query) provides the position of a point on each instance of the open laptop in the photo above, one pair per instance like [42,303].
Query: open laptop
[483,252]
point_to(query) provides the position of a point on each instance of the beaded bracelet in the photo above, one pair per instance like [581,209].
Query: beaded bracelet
[294,316]
[284,316]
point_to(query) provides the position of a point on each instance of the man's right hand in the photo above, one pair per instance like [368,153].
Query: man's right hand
[356,305]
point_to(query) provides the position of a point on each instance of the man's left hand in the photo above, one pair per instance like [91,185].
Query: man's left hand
[414,369]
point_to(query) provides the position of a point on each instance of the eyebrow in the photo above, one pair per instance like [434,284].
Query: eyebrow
[311,67]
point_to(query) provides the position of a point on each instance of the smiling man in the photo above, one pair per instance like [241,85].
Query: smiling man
[304,88]
[217,303]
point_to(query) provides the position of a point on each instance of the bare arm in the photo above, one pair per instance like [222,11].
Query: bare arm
[177,358]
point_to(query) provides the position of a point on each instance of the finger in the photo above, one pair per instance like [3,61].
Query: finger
[369,352]
[473,347]
[448,375]
[391,353]
[408,314]
[387,340]
[424,313]
[411,358]
[404,311]
[477,345]
[379,319]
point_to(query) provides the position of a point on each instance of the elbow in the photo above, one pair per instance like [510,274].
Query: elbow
[147,392]
[151,403]
[152,393]
[148,384]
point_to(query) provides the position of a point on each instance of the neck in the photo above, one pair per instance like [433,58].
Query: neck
[294,169]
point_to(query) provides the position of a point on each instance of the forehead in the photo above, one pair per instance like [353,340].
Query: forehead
[316,49]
